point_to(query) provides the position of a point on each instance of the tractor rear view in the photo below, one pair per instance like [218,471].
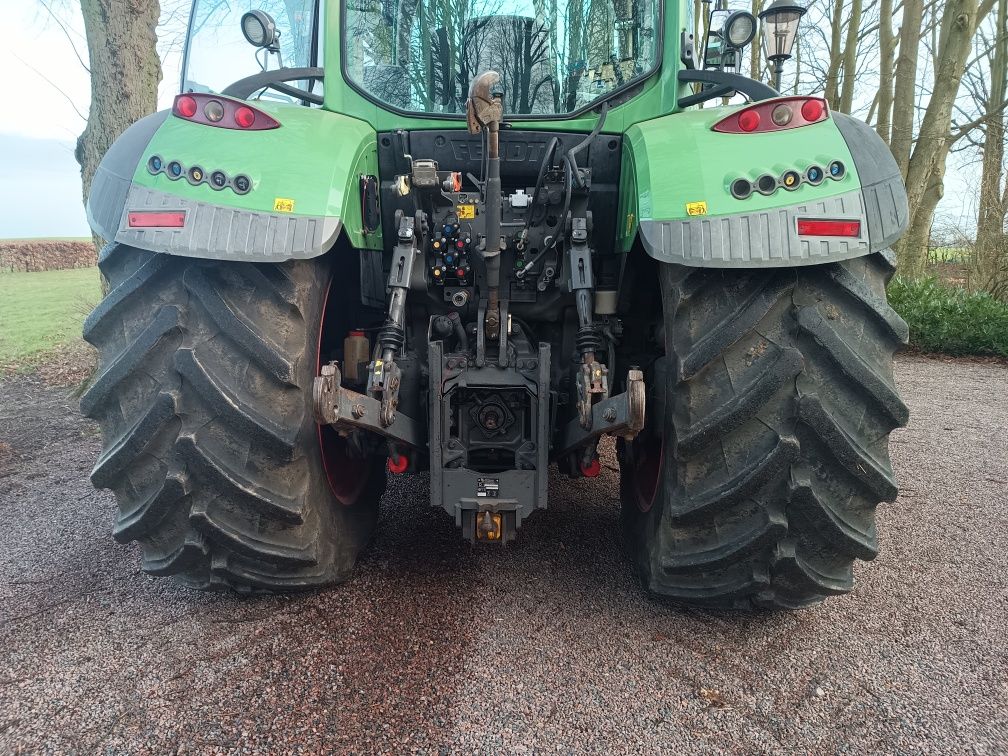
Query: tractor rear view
[473,240]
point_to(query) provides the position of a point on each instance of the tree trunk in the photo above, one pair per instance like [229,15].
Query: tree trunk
[756,47]
[125,73]
[835,55]
[850,58]
[904,83]
[989,263]
[926,168]
[887,52]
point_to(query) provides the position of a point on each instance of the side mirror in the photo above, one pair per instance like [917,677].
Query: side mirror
[260,30]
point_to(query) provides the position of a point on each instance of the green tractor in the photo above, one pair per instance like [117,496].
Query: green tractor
[471,238]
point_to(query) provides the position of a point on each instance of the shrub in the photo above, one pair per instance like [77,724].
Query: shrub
[949,319]
[34,255]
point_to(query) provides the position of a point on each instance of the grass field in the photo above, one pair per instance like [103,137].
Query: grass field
[43,311]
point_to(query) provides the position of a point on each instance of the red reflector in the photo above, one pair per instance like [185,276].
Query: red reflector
[185,106]
[168,219]
[748,120]
[812,110]
[244,117]
[808,227]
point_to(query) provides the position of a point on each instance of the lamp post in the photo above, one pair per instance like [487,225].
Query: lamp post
[780,23]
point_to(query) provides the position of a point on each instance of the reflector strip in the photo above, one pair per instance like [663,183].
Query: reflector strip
[809,227]
[163,219]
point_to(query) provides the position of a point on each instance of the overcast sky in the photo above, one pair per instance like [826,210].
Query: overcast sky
[40,120]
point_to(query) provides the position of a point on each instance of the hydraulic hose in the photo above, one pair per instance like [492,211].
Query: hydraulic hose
[544,166]
[603,111]
[459,329]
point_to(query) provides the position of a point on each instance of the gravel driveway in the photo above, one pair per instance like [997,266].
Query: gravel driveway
[549,645]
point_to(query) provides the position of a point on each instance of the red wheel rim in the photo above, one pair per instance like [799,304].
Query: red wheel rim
[345,474]
[648,452]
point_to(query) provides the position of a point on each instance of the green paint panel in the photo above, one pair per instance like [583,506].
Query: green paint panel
[679,160]
[628,216]
[315,159]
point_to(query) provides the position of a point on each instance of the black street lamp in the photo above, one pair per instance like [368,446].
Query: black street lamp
[780,28]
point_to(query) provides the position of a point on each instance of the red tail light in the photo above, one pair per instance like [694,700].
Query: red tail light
[398,464]
[186,106]
[810,227]
[222,112]
[775,115]
[245,117]
[156,219]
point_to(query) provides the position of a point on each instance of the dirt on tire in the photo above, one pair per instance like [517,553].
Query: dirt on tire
[773,433]
[203,393]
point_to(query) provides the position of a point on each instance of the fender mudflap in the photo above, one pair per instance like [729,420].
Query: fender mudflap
[769,238]
[114,175]
[220,232]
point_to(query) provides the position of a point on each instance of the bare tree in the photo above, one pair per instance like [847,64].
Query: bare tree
[925,171]
[850,57]
[835,52]
[905,83]
[756,48]
[125,73]
[988,85]
[887,55]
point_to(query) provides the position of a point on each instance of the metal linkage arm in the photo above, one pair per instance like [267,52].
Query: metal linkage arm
[383,374]
[347,410]
[620,415]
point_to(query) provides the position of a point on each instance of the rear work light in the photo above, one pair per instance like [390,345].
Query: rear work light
[222,112]
[810,227]
[156,219]
[775,115]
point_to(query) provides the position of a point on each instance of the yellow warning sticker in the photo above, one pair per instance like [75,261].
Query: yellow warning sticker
[466,212]
[283,205]
[696,208]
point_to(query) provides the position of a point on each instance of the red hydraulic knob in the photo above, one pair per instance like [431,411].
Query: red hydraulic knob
[398,464]
[461,272]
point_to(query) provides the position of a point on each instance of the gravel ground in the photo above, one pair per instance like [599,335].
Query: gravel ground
[549,645]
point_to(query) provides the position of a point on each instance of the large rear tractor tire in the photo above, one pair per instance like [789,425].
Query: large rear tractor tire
[203,395]
[765,453]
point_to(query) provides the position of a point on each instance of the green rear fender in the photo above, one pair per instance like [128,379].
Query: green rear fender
[676,187]
[304,180]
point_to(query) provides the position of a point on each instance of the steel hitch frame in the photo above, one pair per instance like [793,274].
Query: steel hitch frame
[347,410]
[620,415]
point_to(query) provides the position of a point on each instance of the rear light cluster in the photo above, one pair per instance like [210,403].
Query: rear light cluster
[767,184]
[214,110]
[775,115]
